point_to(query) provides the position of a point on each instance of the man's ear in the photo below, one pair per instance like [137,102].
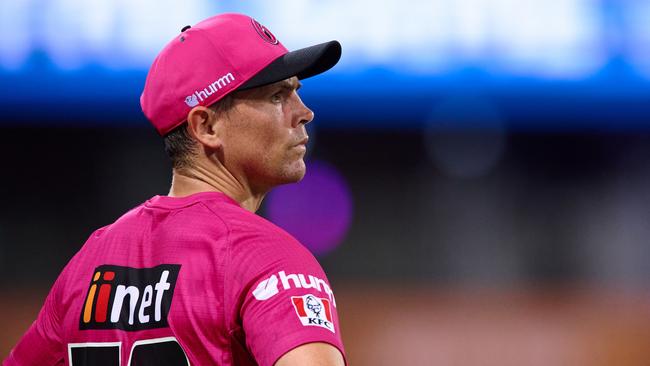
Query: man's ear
[205,126]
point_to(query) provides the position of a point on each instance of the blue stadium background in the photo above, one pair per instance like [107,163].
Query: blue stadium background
[481,163]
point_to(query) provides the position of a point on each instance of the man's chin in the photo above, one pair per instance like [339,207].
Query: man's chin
[296,174]
[296,177]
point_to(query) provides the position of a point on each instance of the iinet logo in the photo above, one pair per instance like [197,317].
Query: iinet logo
[200,95]
[269,287]
[129,298]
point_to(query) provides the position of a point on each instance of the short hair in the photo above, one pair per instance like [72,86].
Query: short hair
[181,147]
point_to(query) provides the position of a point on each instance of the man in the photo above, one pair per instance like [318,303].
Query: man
[196,277]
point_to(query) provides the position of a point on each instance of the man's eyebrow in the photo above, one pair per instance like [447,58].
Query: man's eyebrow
[291,85]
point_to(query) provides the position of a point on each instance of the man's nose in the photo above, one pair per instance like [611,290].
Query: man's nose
[305,115]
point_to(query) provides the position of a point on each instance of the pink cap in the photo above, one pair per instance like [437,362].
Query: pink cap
[221,54]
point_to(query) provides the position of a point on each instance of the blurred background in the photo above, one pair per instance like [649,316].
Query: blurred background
[478,185]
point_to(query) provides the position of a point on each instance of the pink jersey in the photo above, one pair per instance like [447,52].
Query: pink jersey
[195,280]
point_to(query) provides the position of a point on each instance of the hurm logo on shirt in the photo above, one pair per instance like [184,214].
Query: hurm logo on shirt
[313,311]
[268,288]
[129,298]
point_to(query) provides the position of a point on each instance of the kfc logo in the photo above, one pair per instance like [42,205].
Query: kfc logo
[314,311]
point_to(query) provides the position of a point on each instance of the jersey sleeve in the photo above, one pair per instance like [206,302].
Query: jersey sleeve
[282,298]
[41,344]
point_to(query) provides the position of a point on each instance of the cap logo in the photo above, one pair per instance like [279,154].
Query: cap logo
[192,101]
[264,32]
[203,94]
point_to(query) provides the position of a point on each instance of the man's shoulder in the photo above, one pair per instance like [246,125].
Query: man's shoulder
[265,245]
[216,218]
[245,226]
[256,230]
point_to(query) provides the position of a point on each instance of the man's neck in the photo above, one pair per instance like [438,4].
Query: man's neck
[198,179]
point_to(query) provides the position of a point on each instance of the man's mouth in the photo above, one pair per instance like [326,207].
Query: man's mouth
[303,141]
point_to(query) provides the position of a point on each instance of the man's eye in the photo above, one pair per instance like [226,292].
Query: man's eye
[276,98]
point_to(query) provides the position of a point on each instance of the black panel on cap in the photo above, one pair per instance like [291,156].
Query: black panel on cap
[302,63]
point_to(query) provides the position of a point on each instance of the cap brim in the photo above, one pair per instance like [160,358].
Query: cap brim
[302,63]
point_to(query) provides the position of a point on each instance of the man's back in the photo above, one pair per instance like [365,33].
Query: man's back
[195,279]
